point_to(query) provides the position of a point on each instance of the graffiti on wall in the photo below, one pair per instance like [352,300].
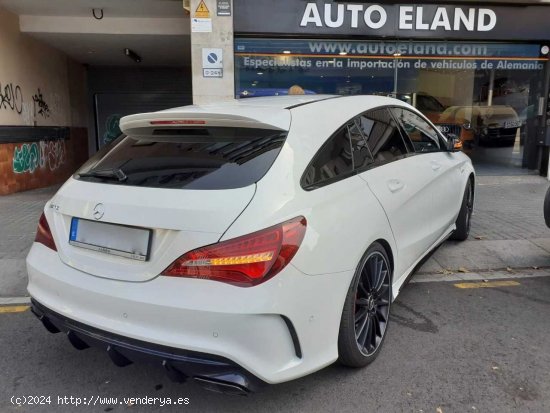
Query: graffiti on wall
[52,154]
[112,129]
[41,107]
[28,157]
[11,97]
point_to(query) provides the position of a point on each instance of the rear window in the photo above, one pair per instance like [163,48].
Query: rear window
[198,158]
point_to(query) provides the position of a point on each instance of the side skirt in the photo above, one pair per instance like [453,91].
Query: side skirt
[405,278]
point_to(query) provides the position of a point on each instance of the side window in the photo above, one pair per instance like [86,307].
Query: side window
[423,137]
[361,153]
[334,160]
[383,137]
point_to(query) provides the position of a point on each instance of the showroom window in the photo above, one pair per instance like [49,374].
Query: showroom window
[486,93]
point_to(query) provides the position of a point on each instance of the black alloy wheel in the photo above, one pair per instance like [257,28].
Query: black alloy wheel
[469,206]
[464,219]
[372,304]
[366,310]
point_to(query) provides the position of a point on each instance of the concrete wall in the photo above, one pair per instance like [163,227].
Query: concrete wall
[43,81]
[206,90]
[39,87]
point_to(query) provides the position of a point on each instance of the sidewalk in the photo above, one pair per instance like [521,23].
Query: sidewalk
[508,231]
[19,215]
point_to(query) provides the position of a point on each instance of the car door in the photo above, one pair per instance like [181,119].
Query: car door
[443,179]
[398,179]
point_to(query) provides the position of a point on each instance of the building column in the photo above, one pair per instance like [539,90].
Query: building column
[212,89]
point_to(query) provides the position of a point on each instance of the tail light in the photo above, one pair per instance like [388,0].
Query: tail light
[44,234]
[244,261]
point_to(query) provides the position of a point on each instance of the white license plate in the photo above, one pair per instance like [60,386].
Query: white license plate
[120,240]
[512,124]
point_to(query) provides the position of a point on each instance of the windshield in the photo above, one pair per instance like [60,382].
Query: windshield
[197,158]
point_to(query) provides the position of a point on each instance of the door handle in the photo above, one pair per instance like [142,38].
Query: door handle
[436,166]
[395,185]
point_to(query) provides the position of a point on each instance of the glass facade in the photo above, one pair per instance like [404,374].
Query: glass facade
[486,93]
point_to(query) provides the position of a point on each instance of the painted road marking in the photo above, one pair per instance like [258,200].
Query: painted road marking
[15,300]
[14,309]
[488,284]
[480,276]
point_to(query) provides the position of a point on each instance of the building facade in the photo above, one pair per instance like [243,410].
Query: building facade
[43,120]
[70,70]
[471,68]
[67,74]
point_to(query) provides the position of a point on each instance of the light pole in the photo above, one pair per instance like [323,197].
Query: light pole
[396,61]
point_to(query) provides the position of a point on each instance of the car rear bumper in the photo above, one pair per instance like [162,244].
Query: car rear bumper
[213,372]
[277,331]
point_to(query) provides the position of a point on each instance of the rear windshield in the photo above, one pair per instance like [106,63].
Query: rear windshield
[198,158]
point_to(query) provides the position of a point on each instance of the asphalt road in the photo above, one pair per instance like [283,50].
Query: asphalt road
[447,350]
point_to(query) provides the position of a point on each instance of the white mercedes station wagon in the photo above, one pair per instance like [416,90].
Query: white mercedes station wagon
[248,242]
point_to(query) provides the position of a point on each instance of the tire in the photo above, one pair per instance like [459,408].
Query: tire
[547,208]
[464,219]
[366,310]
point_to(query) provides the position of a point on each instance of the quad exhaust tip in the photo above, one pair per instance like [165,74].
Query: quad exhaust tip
[220,386]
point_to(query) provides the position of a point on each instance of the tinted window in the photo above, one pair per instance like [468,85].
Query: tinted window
[423,137]
[361,153]
[199,158]
[383,137]
[333,161]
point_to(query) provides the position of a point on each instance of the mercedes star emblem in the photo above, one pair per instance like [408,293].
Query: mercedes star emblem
[99,211]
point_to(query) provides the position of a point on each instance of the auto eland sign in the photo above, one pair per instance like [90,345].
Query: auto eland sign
[409,17]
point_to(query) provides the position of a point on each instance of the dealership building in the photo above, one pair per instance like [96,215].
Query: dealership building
[70,69]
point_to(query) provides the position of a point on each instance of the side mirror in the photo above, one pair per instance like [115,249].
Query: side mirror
[454,144]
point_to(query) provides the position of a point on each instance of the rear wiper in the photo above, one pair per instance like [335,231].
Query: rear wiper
[114,173]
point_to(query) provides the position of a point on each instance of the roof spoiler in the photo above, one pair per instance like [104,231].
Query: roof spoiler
[144,124]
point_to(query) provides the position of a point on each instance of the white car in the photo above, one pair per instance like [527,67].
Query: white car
[248,242]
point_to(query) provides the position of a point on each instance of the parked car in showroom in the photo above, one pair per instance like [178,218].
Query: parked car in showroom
[248,242]
[480,125]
